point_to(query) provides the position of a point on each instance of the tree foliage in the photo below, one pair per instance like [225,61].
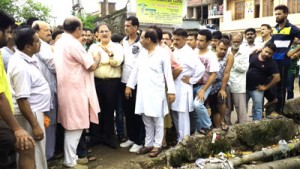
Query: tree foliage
[22,10]
[8,6]
[88,20]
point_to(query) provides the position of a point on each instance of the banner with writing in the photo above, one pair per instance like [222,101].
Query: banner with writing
[159,11]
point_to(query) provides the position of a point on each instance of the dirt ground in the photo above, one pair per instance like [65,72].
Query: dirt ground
[108,158]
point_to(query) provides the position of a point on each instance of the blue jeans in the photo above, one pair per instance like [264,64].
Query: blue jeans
[257,99]
[290,86]
[202,119]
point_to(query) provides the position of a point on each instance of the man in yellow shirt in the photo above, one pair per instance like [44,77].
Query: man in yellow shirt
[11,134]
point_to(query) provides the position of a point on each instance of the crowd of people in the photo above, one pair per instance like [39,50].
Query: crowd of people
[75,85]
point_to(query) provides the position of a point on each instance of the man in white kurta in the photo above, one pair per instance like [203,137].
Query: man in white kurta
[192,71]
[152,73]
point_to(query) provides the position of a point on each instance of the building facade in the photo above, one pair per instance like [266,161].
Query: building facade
[242,14]
[206,12]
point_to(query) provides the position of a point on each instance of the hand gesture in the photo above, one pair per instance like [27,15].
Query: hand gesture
[23,140]
[261,88]
[38,133]
[200,95]
[106,50]
[186,79]
[171,98]
[96,56]
[128,92]
[295,55]
[222,94]
[256,50]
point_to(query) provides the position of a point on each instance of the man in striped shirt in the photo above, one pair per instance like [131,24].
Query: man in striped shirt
[283,36]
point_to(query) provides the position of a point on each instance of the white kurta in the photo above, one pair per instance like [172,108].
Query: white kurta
[151,73]
[192,67]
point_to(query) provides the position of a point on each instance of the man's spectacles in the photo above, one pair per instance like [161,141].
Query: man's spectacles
[106,31]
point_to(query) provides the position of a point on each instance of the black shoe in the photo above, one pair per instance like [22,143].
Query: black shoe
[122,139]
[111,143]
[93,141]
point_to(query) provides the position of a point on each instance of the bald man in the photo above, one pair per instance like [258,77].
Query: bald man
[43,30]
[77,98]
[47,67]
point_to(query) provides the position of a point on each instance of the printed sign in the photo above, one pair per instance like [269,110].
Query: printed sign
[159,11]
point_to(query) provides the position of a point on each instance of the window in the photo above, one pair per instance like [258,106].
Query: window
[294,6]
[268,7]
[190,13]
[256,11]
[256,8]
[239,10]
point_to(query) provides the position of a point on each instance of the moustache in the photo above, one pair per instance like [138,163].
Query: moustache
[235,46]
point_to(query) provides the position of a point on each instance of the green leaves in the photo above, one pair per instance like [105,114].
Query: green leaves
[88,20]
[22,10]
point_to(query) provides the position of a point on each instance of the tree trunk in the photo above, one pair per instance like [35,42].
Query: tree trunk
[292,109]
[290,163]
[250,136]
[257,156]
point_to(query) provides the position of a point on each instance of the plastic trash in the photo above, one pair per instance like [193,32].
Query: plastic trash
[284,147]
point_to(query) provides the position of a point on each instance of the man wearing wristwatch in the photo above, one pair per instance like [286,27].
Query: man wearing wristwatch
[107,81]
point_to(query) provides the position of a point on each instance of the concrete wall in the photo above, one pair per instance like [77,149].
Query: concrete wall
[115,20]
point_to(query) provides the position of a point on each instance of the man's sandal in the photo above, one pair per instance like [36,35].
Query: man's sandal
[92,158]
[144,150]
[224,127]
[155,152]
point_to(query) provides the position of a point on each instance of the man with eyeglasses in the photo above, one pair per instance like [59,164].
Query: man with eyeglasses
[107,81]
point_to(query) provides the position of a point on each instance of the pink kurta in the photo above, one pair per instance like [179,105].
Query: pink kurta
[77,98]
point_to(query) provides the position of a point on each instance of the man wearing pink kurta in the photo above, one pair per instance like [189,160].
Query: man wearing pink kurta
[77,99]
